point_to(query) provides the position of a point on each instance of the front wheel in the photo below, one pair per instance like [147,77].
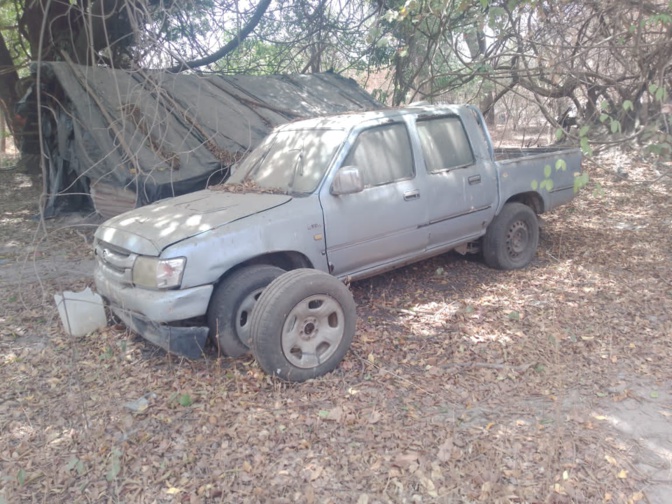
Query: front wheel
[230,311]
[512,238]
[302,325]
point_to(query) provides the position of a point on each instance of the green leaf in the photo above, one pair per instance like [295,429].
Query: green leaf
[535,185]
[21,477]
[660,94]
[71,463]
[598,191]
[615,126]
[653,88]
[115,466]
[561,164]
[547,171]
[323,413]
[514,315]
[580,181]
[627,105]
[185,400]
[547,184]
[654,394]
[604,117]
[584,131]
[559,134]
[585,146]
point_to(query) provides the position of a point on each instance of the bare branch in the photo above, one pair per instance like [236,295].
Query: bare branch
[231,46]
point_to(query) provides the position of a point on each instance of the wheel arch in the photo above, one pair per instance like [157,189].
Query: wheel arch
[287,260]
[532,199]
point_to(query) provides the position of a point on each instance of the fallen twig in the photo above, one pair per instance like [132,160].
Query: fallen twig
[468,365]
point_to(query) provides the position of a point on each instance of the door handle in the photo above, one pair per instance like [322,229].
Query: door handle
[474,179]
[411,195]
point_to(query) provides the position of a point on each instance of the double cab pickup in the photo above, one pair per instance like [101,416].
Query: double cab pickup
[350,196]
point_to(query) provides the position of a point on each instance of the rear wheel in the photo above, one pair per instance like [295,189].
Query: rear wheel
[230,311]
[512,238]
[303,325]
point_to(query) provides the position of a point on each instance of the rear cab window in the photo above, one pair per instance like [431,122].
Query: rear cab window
[445,144]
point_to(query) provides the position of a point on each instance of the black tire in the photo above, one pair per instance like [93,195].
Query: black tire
[302,325]
[230,310]
[512,237]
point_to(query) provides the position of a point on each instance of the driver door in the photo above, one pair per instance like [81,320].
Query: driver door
[381,224]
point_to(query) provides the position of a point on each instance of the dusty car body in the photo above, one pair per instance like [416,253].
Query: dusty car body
[352,195]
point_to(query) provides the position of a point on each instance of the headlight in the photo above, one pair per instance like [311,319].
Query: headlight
[155,273]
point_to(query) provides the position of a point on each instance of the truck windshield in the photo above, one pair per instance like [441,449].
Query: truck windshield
[290,162]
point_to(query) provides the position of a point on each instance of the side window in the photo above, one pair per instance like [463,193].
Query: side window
[382,154]
[444,144]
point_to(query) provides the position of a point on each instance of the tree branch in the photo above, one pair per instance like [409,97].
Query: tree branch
[231,46]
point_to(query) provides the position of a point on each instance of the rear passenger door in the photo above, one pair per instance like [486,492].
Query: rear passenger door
[383,223]
[461,189]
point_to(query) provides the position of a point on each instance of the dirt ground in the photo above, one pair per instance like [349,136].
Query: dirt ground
[464,384]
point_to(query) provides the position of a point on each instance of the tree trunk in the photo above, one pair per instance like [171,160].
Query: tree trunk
[3,133]
[487,105]
[9,78]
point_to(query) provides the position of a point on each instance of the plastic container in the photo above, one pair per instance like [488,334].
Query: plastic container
[81,312]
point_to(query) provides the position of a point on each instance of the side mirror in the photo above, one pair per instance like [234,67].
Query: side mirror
[347,180]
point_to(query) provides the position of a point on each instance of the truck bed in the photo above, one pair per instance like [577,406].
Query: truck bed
[520,166]
[509,153]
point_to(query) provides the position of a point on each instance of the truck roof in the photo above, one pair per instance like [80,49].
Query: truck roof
[348,120]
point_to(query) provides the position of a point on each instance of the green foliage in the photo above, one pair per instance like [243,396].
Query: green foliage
[114,465]
[185,400]
[658,92]
[584,143]
[615,126]
[547,184]
[585,146]
[76,464]
[580,181]
[598,190]
[21,477]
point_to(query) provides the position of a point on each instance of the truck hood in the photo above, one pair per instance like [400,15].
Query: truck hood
[150,229]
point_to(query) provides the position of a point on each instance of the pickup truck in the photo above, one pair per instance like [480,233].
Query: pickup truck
[325,200]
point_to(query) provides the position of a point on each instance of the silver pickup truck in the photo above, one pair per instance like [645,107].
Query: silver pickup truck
[326,199]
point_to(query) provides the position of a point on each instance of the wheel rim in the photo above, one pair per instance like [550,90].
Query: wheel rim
[313,331]
[244,316]
[517,239]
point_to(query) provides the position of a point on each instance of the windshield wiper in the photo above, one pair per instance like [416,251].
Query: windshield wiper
[298,168]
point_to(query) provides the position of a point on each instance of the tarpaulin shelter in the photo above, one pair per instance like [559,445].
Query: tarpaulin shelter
[128,138]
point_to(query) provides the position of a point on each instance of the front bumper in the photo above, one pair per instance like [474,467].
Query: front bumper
[185,341]
[158,306]
[148,312]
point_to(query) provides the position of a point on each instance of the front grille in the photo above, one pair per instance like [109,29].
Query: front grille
[116,263]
